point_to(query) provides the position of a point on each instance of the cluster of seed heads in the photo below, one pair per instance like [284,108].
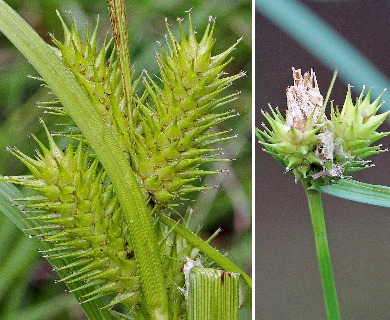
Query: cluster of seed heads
[167,135]
[310,145]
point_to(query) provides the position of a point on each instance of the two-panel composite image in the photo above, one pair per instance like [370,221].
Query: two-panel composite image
[200,160]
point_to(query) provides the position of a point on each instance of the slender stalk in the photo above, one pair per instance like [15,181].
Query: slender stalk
[323,255]
[330,88]
[154,292]
[119,27]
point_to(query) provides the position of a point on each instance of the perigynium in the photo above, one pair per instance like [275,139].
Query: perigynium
[166,133]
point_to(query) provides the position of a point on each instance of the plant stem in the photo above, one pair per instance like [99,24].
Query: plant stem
[323,255]
[119,28]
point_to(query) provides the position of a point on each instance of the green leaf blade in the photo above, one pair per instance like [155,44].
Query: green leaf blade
[204,247]
[360,192]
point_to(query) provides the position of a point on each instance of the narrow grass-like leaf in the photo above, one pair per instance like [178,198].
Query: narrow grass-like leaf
[16,264]
[7,235]
[328,93]
[204,247]
[118,23]
[360,192]
[331,48]
[15,298]
[49,309]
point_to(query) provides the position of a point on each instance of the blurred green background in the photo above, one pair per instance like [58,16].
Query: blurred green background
[27,288]
[353,36]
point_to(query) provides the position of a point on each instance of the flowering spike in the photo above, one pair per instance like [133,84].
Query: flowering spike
[311,146]
[181,115]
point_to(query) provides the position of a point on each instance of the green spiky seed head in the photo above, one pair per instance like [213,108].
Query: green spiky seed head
[82,219]
[355,130]
[78,213]
[167,132]
[311,146]
[293,140]
[176,136]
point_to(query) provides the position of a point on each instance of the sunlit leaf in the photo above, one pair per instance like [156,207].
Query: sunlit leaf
[360,192]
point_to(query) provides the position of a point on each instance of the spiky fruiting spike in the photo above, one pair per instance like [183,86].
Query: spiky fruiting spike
[181,121]
[86,213]
[355,130]
[93,232]
[311,146]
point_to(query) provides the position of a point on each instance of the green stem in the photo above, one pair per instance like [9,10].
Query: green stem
[323,255]
[119,28]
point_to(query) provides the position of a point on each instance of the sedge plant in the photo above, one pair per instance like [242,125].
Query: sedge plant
[322,151]
[110,209]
